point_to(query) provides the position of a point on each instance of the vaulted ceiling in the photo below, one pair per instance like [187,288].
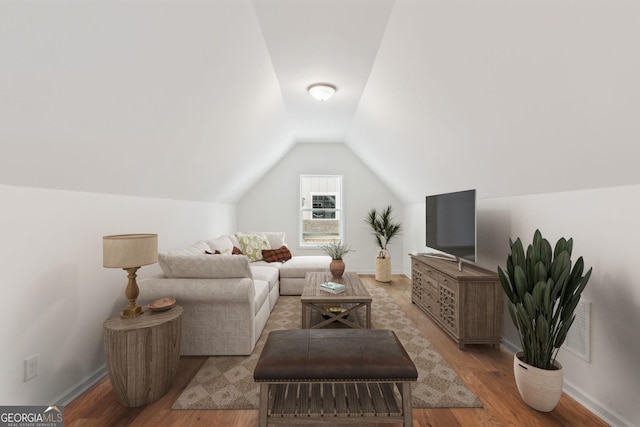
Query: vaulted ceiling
[197,99]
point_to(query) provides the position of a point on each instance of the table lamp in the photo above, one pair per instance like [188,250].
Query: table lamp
[130,252]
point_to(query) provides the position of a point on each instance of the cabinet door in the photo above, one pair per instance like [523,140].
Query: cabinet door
[448,303]
[416,284]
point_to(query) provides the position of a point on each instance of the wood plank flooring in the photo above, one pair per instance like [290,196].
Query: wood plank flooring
[487,372]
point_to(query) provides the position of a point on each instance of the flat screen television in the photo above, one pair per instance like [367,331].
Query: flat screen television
[451,224]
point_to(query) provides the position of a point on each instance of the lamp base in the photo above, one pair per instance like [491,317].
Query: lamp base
[132,292]
[131,312]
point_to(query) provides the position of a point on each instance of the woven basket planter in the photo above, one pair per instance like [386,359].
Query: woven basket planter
[383,269]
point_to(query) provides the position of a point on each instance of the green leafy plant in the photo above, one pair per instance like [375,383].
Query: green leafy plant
[384,227]
[336,250]
[543,291]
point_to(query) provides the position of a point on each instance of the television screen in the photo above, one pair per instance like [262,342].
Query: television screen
[451,223]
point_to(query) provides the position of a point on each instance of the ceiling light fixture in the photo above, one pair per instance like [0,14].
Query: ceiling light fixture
[321,91]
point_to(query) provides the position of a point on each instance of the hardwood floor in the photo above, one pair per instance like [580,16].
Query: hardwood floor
[487,372]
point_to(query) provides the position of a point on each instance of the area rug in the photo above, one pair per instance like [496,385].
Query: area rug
[226,382]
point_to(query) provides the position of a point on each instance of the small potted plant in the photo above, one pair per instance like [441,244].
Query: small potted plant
[384,229]
[336,250]
[543,291]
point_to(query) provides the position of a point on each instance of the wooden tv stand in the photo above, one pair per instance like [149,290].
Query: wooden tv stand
[466,304]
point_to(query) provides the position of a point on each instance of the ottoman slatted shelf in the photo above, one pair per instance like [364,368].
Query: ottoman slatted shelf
[311,376]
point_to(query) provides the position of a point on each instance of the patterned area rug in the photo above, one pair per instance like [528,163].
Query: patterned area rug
[226,382]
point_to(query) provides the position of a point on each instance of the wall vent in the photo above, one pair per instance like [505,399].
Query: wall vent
[578,339]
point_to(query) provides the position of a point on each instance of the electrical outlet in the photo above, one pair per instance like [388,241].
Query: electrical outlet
[31,367]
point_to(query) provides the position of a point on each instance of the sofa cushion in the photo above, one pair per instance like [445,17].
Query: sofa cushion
[262,293]
[264,263]
[266,273]
[222,244]
[299,266]
[204,266]
[252,245]
[272,255]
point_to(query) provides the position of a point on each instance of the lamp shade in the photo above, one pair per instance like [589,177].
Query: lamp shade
[129,250]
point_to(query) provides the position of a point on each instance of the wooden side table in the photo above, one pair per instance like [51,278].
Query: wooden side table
[142,354]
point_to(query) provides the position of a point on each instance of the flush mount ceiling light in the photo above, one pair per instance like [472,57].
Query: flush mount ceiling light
[321,91]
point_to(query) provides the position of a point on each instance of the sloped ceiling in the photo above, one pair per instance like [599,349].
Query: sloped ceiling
[197,99]
[322,41]
[509,97]
[166,99]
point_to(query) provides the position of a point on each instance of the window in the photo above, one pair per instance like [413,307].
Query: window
[320,209]
[322,203]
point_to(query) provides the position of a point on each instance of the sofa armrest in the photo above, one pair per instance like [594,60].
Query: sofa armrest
[221,291]
[219,314]
[204,266]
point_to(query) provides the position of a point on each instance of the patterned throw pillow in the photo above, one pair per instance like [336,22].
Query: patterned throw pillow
[274,255]
[252,245]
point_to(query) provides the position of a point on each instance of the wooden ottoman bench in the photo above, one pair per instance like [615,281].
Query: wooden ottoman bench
[309,376]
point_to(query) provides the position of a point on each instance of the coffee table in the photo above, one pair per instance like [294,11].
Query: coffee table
[352,299]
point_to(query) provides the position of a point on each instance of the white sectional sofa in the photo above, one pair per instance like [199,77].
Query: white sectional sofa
[226,298]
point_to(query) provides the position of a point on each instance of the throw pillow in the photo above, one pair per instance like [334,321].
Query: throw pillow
[281,254]
[196,248]
[252,245]
[222,244]
[276,239]
[236,251]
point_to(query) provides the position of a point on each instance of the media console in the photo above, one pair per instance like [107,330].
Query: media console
[466,304]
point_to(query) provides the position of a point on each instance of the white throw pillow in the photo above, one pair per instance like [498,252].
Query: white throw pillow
[234,240]
[252,244]
[276,239]
[222,244]
[197,248]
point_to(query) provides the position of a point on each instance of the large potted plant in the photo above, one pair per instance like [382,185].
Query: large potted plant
[384,229]
[543,291]
[336,250]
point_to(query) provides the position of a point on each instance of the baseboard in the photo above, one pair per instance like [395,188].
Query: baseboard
[372,272]
[85,385]
[593,405]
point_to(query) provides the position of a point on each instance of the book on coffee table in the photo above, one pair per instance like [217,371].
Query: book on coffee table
[334,288]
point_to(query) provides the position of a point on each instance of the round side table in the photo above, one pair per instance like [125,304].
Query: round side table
[142,354]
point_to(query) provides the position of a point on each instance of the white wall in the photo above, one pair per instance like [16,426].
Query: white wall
[56,294]
[605,229]
[463,89]
[274,203]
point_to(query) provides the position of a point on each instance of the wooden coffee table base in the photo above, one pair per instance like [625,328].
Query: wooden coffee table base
[353,299]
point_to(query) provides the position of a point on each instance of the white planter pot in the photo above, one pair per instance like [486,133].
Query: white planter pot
[539,388]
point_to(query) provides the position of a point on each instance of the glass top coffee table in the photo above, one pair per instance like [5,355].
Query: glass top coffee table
[334,307]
